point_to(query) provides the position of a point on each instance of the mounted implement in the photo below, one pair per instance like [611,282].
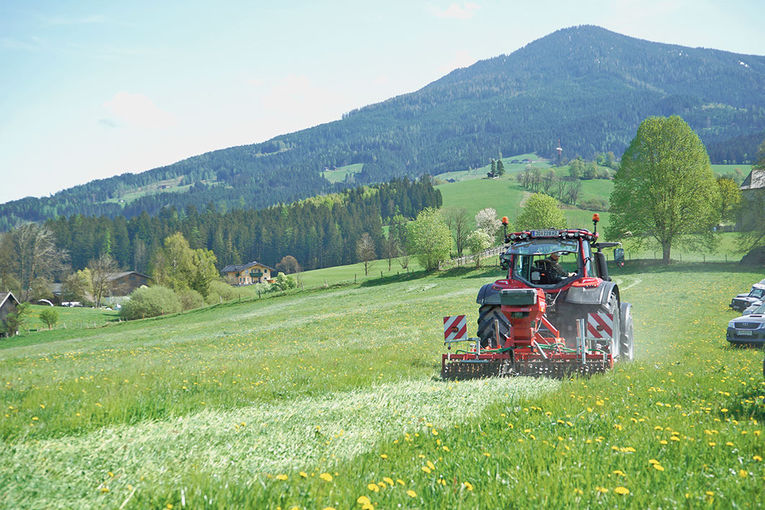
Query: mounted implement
[556,314]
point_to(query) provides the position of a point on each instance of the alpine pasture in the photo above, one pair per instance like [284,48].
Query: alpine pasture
[331,398]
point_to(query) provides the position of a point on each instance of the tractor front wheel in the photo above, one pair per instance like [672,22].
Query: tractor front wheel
[626,343]
[486,326]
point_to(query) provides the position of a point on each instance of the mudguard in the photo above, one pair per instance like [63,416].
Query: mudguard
[591,295]
[488,295]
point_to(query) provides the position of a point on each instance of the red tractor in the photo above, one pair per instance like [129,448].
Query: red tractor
[557,313]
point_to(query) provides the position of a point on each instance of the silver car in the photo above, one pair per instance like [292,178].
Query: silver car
[748,329]
[743,301]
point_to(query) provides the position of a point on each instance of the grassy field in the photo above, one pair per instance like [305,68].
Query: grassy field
[339,174]
[331,398]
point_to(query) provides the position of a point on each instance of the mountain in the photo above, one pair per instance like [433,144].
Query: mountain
[585,86]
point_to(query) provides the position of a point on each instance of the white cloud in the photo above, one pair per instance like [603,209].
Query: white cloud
[139,111]
[456,11]
[295,102]
[461,58]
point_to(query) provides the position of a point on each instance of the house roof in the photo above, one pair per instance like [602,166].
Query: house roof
[117,276]
[755,179]
[242,267]
[5,296]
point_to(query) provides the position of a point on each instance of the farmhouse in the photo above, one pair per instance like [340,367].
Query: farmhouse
[8,304]
[247,274]
[123,284]
[752,200]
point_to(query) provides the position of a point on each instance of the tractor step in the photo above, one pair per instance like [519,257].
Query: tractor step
[555,369]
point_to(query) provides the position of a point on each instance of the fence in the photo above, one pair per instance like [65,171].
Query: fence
[461,261]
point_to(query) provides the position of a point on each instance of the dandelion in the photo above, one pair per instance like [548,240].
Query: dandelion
[281,477]
[578,491]
[389,481]
[411,493]
[468,485]
[622,491]
[373,487]
[742,473]
[326,477]
[602,490]
[757,458]
[303,474]
[383,456]
[363,500]
[400,481]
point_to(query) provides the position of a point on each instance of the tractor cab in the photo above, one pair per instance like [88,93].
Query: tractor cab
[548,259]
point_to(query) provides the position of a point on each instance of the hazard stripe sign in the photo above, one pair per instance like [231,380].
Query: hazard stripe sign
[455,327]
[600,325]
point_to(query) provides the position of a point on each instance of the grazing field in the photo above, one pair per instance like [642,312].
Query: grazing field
[331,398]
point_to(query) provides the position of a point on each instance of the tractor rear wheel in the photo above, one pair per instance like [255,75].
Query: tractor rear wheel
[486,328]
[626,345]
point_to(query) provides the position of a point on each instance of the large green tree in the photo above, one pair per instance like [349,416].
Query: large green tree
[429,238]
[540,211]
[179,267]
[665,189]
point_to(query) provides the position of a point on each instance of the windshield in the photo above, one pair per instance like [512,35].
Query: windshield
[545,261]
[544,247]
[757,293]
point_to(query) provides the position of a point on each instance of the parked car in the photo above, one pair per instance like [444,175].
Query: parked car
[743,301]
[751,308]
[748,329]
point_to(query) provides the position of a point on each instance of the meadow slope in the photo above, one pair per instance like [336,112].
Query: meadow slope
[331,398]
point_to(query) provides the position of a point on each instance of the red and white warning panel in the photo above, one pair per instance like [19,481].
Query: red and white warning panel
[455,327]
[600,325]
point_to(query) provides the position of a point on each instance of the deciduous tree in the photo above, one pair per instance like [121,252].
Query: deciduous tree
[540,211]
[102,270]
[478,241]
[457,220]
[429,238]
[365,250]
[665,188]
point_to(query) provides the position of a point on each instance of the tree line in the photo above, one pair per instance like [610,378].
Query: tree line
[319,232]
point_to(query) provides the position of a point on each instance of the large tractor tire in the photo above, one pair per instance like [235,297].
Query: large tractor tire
[486,326]
[626,342]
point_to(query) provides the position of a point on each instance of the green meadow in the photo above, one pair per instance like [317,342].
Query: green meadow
[331,398]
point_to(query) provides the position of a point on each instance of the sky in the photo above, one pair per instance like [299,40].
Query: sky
[92,89]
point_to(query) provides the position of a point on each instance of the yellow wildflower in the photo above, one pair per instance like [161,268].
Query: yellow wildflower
[622,490]
[411,493]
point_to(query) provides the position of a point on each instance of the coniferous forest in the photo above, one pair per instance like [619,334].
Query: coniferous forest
[318,232]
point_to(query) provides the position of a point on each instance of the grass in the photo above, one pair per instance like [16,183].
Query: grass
[323,397]
[341,173]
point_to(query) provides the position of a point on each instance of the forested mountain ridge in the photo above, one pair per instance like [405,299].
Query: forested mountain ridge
[586,86]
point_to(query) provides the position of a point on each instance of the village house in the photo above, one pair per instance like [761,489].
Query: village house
[8,304]
[247,274]
[124,283]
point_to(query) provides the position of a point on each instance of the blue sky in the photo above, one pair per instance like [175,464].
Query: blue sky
[94,89]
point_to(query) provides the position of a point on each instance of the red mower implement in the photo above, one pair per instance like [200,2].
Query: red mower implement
[557,313]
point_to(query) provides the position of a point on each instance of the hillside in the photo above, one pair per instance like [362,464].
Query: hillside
[322,398]
[586,86]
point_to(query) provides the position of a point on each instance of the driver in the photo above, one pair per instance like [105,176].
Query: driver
[555,268]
